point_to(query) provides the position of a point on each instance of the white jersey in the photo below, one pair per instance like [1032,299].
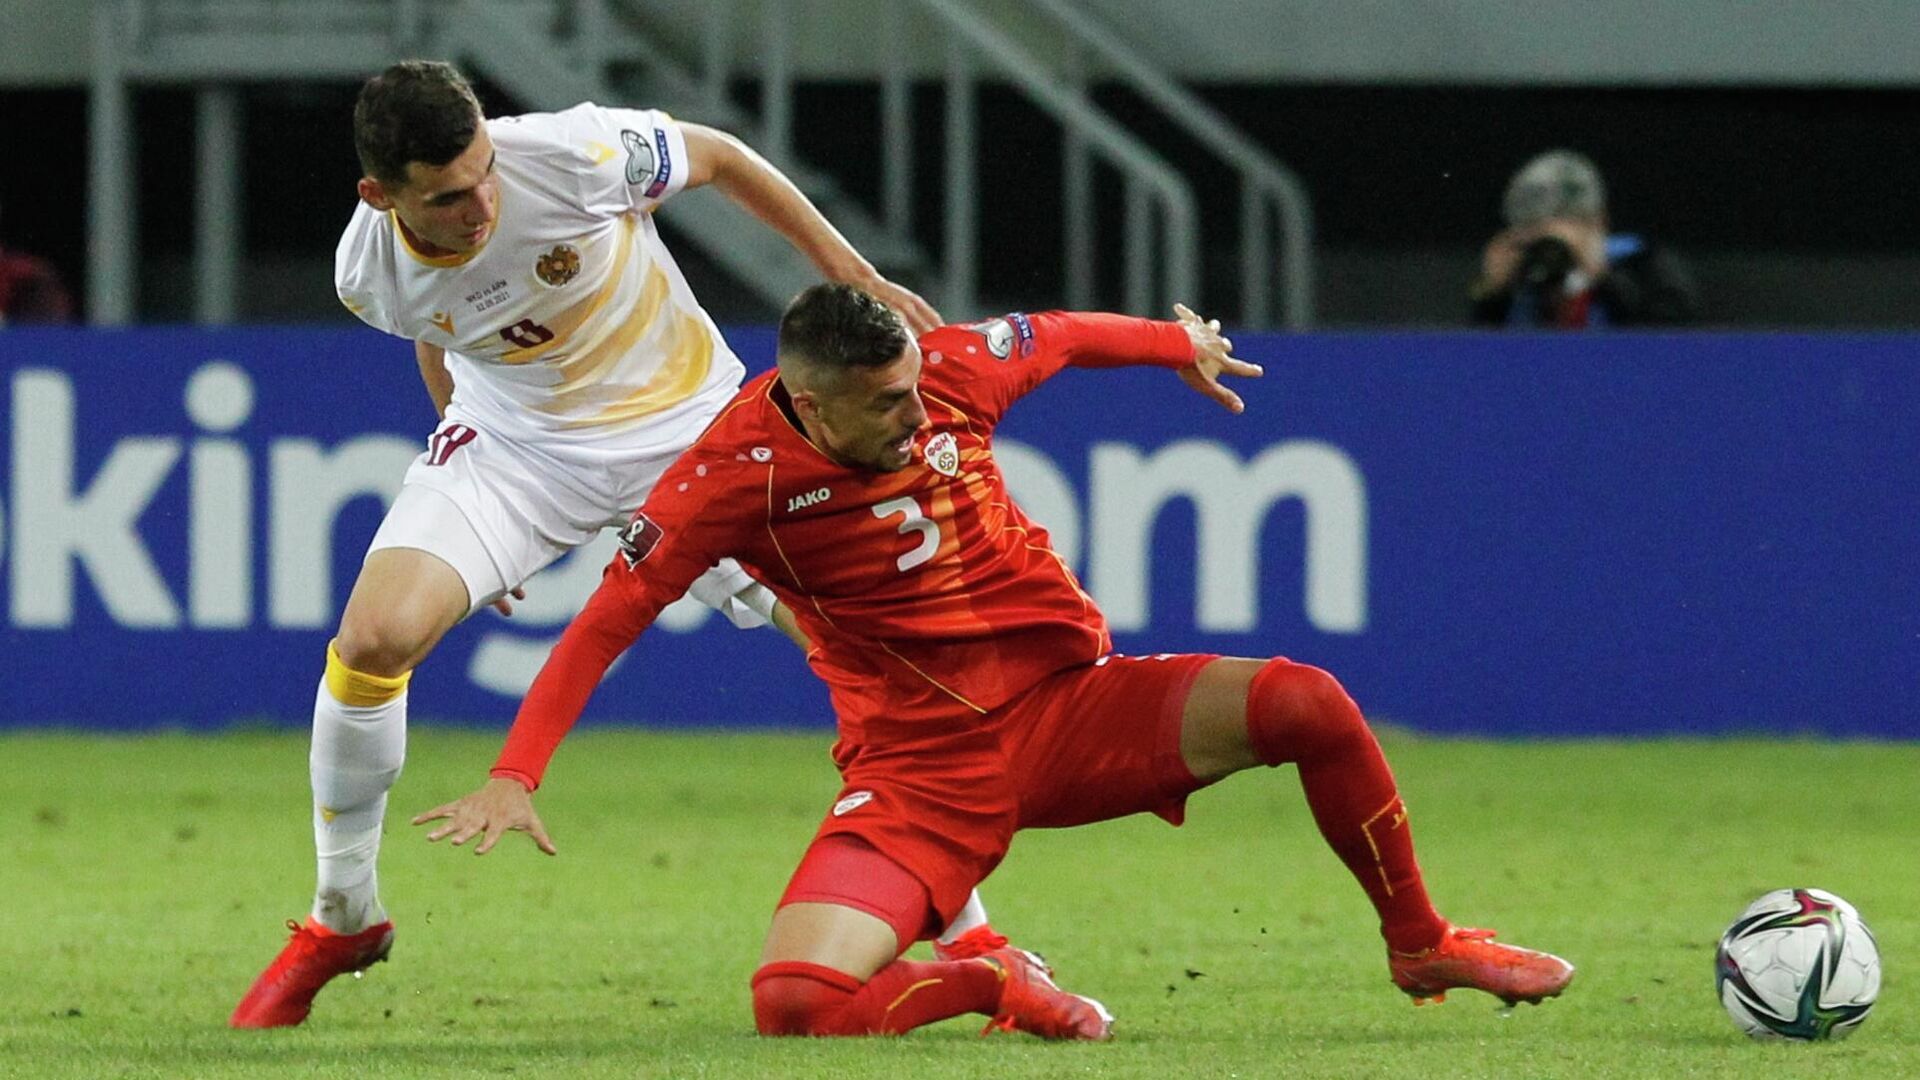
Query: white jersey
[571,323]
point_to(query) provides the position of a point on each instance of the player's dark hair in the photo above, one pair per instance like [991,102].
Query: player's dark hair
[416,110]
[833,327]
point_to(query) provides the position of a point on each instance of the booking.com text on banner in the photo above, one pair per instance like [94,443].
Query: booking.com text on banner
[1529,535]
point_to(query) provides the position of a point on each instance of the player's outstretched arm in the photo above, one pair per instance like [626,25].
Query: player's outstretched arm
[501,806]
[1212,357]
[717,158]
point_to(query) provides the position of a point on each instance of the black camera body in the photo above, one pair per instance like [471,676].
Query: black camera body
[1545,266]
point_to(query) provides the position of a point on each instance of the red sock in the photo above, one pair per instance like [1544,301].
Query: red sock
[796,998]
[1301,714]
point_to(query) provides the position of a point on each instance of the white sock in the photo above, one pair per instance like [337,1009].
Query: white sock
[357,754]
[972,915]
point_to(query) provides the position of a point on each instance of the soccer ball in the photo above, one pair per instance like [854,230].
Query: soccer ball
[1798,964]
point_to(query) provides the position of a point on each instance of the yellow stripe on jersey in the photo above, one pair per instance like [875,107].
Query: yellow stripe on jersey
[596,358]
[689,359]
[571,319]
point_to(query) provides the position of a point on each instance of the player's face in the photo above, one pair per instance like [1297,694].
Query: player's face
[872,417]
[451,206]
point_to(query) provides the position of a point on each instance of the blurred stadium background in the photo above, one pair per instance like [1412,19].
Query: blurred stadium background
[1702,533]
[1772,143]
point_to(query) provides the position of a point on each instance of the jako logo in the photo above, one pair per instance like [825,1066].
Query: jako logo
[810,498]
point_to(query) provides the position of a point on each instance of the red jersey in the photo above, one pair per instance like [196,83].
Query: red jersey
[929,596]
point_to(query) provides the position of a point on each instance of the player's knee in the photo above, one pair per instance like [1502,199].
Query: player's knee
[799,999]
[382,642]
[1297,712]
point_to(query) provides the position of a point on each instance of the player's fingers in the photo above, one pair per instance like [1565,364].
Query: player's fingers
[1185,313]
[435,814]
[489,838]
[919,314]
[1242,368]
[540,837]
[456,820]
[1208,385]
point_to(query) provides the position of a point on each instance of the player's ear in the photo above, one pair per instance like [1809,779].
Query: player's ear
[374,194]
[806,406]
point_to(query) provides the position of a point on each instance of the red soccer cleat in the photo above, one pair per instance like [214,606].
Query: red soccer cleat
[283,994]
[1030,1002]
[973,944]
[1471,958]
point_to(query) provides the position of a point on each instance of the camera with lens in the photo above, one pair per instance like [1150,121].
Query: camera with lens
[1548,266]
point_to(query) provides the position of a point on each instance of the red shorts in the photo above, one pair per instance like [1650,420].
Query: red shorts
[1086,744]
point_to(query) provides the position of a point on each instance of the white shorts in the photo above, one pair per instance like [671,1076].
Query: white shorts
[499,510]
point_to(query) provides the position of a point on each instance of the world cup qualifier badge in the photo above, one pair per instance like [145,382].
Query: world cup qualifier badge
[943,454]
[638,540]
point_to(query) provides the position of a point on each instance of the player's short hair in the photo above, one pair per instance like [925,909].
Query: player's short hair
[832,327]
[416,110]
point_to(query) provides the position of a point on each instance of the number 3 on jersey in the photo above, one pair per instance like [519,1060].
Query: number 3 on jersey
[912,520]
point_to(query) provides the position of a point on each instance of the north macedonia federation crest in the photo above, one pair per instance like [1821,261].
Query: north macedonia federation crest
[559,266]
[943,454]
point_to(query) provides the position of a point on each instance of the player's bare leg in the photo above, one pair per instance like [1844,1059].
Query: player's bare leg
[969,934]
[403,602]
[1242,713]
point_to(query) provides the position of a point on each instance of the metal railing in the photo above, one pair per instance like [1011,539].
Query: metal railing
[210,45]
[210,41]
[1160,250]
[1266,185]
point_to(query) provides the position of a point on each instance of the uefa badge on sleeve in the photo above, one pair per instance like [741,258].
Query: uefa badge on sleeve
[640,160]
[943,454]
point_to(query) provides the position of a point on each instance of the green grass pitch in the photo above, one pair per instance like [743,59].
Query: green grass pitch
[145,880]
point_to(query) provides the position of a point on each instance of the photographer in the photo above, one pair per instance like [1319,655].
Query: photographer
[1556,266]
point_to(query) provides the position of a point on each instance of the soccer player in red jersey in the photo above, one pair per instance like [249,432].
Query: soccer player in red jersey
[974,680]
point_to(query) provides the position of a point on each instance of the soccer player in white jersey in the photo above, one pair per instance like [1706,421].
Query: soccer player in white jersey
[570,364]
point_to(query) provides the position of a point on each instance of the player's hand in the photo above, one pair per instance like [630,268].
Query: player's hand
[1213,357]
[505,606]
[498,808]
[918,314]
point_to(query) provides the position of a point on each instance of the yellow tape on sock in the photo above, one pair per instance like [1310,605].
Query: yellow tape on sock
[359,689]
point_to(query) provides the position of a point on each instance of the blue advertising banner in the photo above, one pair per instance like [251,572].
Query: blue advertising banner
[1516,535]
